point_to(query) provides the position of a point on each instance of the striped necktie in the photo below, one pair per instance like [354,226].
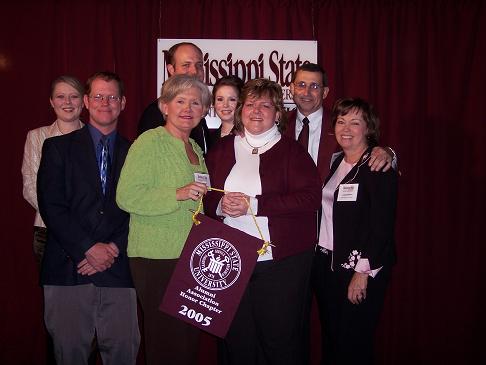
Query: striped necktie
[104,161]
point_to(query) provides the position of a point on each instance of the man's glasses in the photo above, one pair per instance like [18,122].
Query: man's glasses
[111,99]
[314,86]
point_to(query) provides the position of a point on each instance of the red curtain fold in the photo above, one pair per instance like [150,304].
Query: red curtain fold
[421,63]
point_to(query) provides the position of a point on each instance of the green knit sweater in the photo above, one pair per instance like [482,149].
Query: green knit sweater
[157,165]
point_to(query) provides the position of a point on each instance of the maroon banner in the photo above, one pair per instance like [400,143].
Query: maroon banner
[211,276]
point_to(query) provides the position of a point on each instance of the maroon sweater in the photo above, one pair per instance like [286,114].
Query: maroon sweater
[291,192]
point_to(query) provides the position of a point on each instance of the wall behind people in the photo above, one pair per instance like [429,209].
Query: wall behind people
[420,63]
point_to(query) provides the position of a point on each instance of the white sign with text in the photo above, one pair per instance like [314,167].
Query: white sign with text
[276,60]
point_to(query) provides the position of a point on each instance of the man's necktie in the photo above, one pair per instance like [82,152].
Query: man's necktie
[304,134]
[104,161]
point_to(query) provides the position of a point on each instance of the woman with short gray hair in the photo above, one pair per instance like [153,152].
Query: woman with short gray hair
[157,188]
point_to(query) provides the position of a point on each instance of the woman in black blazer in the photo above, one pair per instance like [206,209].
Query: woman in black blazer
[356,242]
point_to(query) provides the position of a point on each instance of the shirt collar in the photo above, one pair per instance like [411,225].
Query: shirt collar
[96,135]
[315,118]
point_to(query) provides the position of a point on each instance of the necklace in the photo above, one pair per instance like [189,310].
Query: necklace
[78,125]
[365,159]
[254,150]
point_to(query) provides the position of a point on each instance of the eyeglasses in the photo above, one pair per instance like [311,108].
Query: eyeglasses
[111,99]
[314,86]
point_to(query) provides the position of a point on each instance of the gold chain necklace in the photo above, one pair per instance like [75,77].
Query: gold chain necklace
[254,150]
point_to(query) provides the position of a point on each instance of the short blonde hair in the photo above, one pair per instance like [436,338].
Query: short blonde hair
[71,81]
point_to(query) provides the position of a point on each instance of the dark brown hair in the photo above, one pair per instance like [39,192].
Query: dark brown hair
[345,105]
[230,80]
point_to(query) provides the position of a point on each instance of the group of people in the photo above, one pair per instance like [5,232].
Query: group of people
[321,190]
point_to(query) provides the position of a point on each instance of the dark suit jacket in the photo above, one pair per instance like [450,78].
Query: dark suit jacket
[152,118]
[367,224]
[327,143]
[291,192]
[76,212]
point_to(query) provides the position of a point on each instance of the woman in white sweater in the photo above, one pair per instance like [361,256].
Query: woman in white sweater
[67,102]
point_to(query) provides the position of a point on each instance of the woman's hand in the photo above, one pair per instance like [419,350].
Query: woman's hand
[192,191]
[357,288]
[235,204]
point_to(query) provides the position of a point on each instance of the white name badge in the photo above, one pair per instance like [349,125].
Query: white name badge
[202,178]
[348,192]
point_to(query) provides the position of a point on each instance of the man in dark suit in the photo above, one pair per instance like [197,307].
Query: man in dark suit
[88,289]
[182,58]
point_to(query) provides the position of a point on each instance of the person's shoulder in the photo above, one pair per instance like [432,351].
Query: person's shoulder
[214,135]
[151,117]
[291,115]
[68,137]
[40,129]
[336,158]
[224,143]
[152,134]
[155,139]
[373,176]
[152,112]
[289,127]
[221,147]
[122,141]
[62,142]
[389,174]
[288,148]
[228,139]
[153,105]
[290,143]
[41,132]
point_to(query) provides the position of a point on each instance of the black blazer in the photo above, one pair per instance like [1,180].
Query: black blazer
[367,224]
[76,212]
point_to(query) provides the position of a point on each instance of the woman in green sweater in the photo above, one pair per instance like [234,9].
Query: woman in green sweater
[157,188]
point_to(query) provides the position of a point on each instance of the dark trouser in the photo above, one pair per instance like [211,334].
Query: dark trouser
[347,330]
[167,340]
[39,244]
[73,314]
[268,325]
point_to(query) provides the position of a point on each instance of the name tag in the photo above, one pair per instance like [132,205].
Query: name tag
[347,192]
[202,178]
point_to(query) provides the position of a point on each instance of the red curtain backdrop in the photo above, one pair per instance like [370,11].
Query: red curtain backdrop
[420,62]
